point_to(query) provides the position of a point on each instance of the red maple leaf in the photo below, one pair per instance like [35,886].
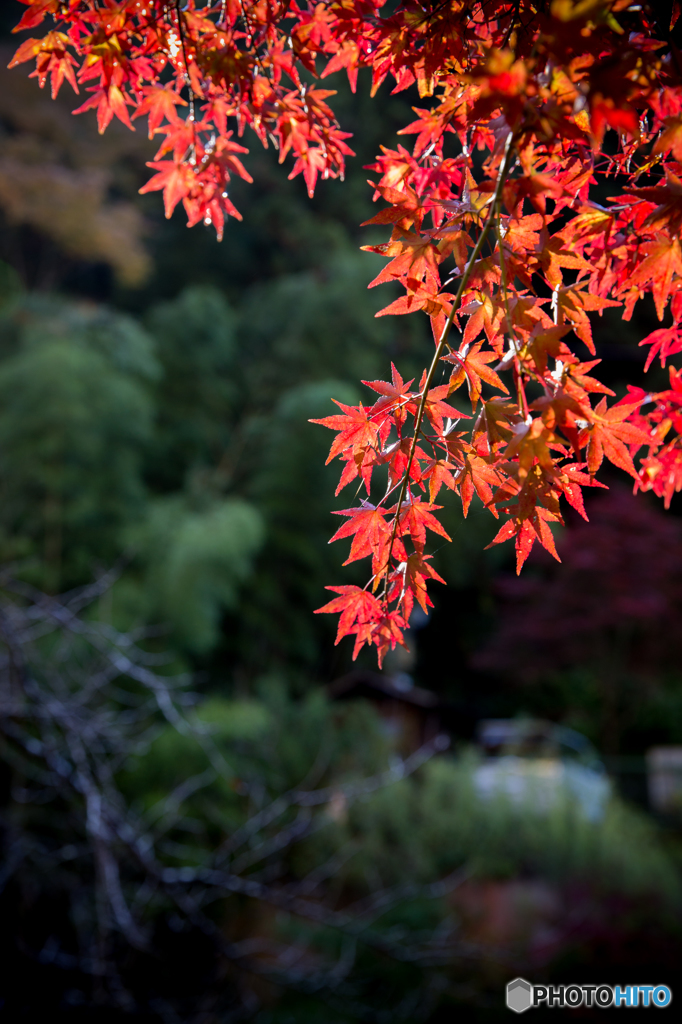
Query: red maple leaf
[527,529]
[572,304]
[356,428]
[397,399]
[417,572]
[571,480]
[435,406]
[665,342]
[439,472]
[109,102]
[370,532]
[176,179]
[662,472]
[159,103]
[414,519]
[663,261]
[360,613]
[513,212]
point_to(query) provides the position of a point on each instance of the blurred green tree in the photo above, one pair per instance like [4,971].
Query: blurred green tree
[195,554]
[197,392]
[185,445]
[76,413]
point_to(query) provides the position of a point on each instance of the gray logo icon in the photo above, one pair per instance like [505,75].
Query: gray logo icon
[519,995]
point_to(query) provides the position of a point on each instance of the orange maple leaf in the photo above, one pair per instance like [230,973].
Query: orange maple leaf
[479,477]
[609,434]
[52,58]
[663,261]
[406,207]
[573,304]
[543,342]
[471,366]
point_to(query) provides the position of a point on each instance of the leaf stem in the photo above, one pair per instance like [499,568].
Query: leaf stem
[188,80]
[518,376]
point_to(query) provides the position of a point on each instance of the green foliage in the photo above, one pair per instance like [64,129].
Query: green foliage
[413,831]
[92,418]
[194,559]
[75,416]
[196,394]
[439,821]
[184,446]
[321,324]
[291,488]
[271,745]
[10,285]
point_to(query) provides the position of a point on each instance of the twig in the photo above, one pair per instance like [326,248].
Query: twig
[504,169]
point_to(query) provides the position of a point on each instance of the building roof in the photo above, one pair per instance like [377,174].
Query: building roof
[363,683]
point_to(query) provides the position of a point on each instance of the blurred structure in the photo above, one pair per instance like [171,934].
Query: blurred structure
[530,737]
[530,760]
[664,778]
[526,760]
[410,714]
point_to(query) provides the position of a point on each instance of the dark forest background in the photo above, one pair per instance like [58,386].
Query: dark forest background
[155,392]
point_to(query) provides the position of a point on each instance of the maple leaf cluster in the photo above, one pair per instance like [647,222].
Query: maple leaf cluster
[535,107]
[190,68]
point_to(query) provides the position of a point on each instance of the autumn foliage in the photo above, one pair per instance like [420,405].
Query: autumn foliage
[533,111]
